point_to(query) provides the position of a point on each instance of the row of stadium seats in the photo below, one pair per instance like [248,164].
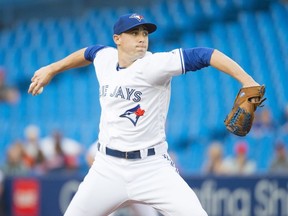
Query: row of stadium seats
[255,38]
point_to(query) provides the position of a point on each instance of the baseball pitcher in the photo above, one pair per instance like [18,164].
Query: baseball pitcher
[132,164]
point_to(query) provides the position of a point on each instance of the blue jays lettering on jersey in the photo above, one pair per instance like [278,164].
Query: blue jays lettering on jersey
[121,92]
[143,87]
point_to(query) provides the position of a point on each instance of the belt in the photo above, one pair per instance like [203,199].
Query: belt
[127,155]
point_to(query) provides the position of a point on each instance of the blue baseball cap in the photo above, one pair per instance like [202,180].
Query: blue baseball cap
[129,21]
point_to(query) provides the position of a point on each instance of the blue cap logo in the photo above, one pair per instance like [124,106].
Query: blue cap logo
[136,16]
[130,21]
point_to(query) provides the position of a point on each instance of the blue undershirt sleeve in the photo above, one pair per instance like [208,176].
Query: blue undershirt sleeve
[197,58]
[91,52]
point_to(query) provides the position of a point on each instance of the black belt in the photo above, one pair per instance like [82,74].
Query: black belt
[127,155]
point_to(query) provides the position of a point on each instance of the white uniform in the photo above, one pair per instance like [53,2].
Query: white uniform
[143,84]
[134,104]
[133,209]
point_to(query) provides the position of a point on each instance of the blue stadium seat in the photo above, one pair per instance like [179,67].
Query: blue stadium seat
[7,38]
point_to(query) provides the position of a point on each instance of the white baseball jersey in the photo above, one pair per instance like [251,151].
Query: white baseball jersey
[135,100]
[134,103]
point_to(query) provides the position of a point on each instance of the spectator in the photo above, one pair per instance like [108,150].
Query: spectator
[264,124]
[215,163]
[56,158]
[284,120]
[33,156]
[8,94]
[60,152]
[40,166]
[14,164]
[279,164]
[240,164]
[90,155]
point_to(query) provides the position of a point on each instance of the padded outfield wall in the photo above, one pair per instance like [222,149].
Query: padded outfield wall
[220,196]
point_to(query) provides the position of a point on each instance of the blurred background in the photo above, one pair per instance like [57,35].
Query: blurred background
[54,132]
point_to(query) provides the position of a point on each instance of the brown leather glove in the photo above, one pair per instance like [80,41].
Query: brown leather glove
[239,121]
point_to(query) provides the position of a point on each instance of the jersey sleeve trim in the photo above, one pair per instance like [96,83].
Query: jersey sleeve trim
[91,51]
[182,61]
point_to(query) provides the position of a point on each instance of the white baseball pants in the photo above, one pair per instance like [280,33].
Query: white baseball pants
[113,182]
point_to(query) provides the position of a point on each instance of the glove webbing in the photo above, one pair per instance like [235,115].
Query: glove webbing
[235,118]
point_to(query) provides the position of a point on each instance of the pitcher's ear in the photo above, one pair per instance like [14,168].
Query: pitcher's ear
[116,39]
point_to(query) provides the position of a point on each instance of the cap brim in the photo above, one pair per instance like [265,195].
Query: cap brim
[149,26]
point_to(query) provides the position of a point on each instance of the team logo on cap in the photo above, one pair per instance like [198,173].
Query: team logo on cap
[133,114]
[137,16]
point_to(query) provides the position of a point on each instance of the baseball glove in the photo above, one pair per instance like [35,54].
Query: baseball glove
[239,121]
